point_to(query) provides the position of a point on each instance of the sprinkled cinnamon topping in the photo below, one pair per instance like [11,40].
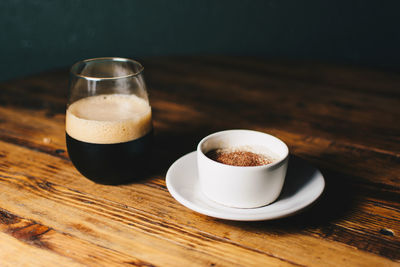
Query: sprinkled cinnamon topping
[238,157]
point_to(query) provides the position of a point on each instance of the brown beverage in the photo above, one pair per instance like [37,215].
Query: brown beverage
[239,157]
[109,137]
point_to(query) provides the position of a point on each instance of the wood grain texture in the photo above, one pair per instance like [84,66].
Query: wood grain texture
[341,119]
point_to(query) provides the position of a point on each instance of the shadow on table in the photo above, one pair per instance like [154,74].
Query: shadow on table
[299,174]
[169,146]
[335,202]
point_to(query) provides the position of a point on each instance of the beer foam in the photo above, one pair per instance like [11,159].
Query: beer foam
[108,119]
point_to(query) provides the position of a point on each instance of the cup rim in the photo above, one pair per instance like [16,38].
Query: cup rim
[74,68]
[222,165]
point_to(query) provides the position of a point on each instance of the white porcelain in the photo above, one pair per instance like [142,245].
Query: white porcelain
[303,185]
[242,187]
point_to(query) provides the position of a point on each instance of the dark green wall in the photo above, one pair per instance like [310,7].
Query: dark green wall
[38,35]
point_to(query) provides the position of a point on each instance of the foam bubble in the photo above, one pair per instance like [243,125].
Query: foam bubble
[108,119]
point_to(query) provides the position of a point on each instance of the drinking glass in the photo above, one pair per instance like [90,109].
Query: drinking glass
[108,120]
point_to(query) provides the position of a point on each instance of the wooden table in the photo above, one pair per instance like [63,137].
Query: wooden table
[343,120]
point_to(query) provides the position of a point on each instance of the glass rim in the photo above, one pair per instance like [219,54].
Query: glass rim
[74,68]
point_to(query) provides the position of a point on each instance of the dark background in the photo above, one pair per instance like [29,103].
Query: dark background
[38,35]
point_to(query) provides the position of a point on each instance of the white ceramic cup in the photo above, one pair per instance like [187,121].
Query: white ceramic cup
[236,186]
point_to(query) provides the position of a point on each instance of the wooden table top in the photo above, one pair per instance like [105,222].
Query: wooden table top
[343,120]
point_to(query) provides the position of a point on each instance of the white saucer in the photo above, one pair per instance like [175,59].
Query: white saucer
[303,185]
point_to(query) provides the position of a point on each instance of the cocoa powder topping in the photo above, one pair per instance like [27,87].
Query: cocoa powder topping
[238,158]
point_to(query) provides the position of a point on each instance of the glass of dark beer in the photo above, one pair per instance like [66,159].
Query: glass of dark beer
[108,120]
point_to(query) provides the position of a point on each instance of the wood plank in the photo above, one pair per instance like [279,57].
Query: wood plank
[16,253]
[338,118]
[224,119]
[189,84]
[114,226]
[67,247]
[303,105]
[364,80]
[313,146]
[334,115]
[154,209]
[352,159]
